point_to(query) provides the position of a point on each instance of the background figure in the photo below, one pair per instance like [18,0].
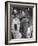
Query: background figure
[29,32]
[30,29]
[24,27]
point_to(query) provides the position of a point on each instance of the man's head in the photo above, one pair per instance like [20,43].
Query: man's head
[23,13]
[15,11]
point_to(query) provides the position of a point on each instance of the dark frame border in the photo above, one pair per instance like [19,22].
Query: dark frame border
[6,21]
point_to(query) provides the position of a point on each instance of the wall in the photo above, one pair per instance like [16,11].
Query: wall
[37,22]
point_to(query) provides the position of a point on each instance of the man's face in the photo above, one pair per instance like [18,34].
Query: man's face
[23,13]
[15,11]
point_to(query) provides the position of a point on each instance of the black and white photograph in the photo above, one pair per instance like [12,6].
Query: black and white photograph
[20,22]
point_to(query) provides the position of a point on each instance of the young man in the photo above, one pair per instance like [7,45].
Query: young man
[16,26]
